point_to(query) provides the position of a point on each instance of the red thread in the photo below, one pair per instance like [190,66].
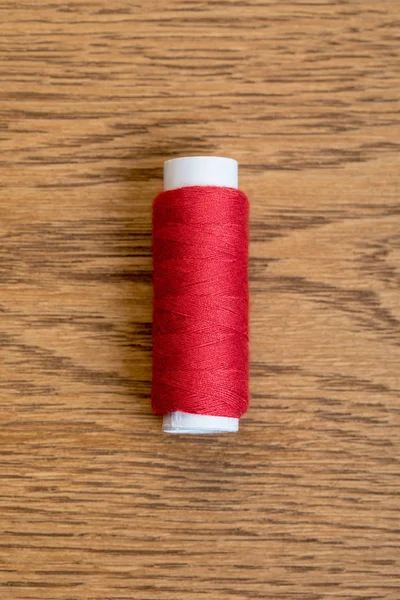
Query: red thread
[200,321]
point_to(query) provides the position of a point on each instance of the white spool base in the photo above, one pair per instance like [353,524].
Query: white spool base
[181,422]
[178,173]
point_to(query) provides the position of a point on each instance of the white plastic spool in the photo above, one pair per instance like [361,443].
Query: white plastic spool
[178,173]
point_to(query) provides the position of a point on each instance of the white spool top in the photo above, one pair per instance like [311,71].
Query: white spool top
[200,170]
[184,172]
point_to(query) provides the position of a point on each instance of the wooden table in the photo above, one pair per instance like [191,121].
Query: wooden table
[95,502]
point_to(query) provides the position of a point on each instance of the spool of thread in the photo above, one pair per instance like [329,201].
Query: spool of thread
[200,318]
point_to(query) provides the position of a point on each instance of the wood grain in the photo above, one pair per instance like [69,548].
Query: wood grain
[95,502]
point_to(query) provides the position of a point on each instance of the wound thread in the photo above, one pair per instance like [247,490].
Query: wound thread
[201,304]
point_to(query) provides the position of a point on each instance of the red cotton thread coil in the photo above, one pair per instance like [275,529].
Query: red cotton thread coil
[201,305]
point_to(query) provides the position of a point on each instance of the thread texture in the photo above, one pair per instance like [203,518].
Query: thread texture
[201,305]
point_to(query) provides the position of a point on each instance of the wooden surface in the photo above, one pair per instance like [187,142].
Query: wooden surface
[95,502]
